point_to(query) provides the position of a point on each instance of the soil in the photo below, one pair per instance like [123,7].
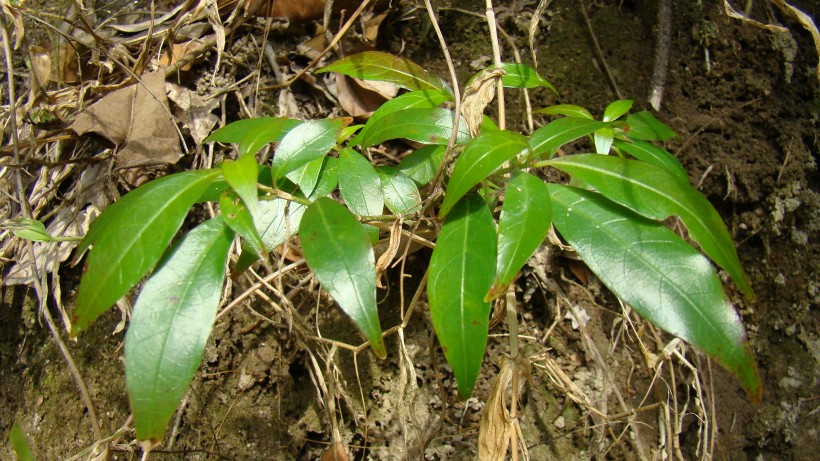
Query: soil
[745,103]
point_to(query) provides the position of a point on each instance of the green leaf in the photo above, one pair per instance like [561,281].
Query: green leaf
[401,196]
[338,251]
[239,218]
[655,193]
[27,229]
[308,141]
[616,109]
[170,325]
[524,222]
[252,134]
[421,99]
[555,134]
[603,139]
[359,184]
[423,163]
[522,76]
[462,269]
[328,178]
[384,67]
[241,175]
[480,158]
[653,270]
[427,126]
[130,236]
[307,175]
[570,110]
[653,154]
[645,126]
[279,219]
[19,443]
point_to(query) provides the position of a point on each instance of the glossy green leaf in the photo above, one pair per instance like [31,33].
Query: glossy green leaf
[307,175]
[401,196]
[522,76]
[653,270]
[236,132]
[645,126]
[19,443]
[480,158]
[338,251]
[328,178]
[570,110]
[170,324]
[427,126]
[359,184]
[524,222]
[384,67]
[604,138]
[306,142]
[654,192]
[555,134]
[462,269]
[616,109]
[655,155]
[240,220]
[130,236]
[421,99]
[279,219]
[423,163]
[241,175]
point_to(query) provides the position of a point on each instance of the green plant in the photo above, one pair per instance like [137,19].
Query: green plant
[611,213]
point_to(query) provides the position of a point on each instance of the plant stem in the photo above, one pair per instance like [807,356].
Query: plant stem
[490,12]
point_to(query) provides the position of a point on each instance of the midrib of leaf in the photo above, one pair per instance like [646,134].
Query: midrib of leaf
[626,245]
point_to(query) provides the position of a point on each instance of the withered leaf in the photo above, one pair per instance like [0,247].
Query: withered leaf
[477,95]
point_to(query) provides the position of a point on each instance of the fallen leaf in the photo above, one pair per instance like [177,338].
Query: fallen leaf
[137,119]
[361,99]
[193,111]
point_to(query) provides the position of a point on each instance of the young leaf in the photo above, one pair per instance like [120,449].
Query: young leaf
[522,76]
[421,99]
[645,126]
[401,196]
[555,134]
[27,229]
[241,174]
[130,236]
[251,132]
[307,175]
[170,324]
[462,268]
[480,158]
[338,251]
[653,270]
[308,141]
[240,220]
[650,153]
[359,184]
[525,220]
[428,126]
[19,443]
[570,110]
[279,219]
[422,164]
[656,193]
[615,109]
[384,67]
[603,139]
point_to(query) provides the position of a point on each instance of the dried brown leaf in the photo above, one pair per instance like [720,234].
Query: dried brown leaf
[361,99]
[497,425]
[137,119]
[336,452]
[477,95]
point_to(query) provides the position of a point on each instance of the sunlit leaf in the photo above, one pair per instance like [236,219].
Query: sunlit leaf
[603,139]
[653,270]
[420,99]
[524,222]
[307,175]
[555,134]
[170,325]
[308,141]
[240,220]
[651,153]
[252,134]
[279,219]
[241,175]
[401,196]
[427,126]
[359,184]
[423,163]
[645,126]
[656,193]
[616,109]
[522,76]
[27,228]
[480,158]
[19,443]
[328,178]
[570,110]
[384,67]
[338,251]
[462,269]
[130,236]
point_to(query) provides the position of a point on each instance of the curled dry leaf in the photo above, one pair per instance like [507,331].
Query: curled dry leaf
[137,119]
[497,425]
[477,95]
